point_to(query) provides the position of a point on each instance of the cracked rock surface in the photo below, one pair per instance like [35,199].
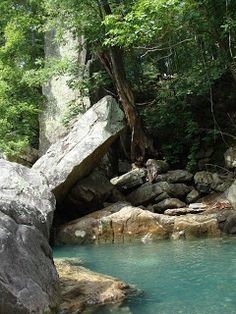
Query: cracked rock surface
[28,279]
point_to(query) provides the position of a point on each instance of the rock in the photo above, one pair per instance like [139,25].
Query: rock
[192,196]
[127,224]
[27,158]
[227,221]
[146,193]
[82,288]
[161,197]
[178,190]
[124,166]
[90,192]
[86,229]
[206,181]
[155,167]
[28,280]
[219,184]
[61,98]
[73,157]
[198,206]
[168,203]
[203,181]
[175,176]
[194,226]
[133,224]
[231,194]
[230,157]
[183,211]
[130,179]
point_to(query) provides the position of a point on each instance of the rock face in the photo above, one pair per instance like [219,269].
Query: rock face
[82,287]
[75,155]
[28,280]
[59,95]
[126,223]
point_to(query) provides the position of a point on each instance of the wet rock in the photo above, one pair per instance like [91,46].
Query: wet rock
[73,157]
[130,179]
[155,167]
[28,279]
[168,203]
[81,287]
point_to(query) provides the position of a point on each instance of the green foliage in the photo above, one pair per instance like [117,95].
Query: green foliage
[20,44]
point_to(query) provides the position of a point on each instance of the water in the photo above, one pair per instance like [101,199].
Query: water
[190,277]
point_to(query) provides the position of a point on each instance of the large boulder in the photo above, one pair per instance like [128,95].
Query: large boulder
[127,224]
[28,279]
[194,226]
[76,154]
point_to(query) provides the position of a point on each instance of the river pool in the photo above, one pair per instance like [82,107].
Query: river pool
[190,277]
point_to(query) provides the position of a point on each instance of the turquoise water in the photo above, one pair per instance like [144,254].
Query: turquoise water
[194,277]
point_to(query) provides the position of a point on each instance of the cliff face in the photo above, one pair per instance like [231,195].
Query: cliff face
[59,95]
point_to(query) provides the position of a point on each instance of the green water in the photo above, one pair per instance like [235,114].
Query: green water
[176,276]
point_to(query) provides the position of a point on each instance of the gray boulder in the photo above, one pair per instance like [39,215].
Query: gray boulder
[175,176]
[206,182]
[203,181]
[147,192]
[155,167]
[192,196]
[130,179]
[73,157]
[28,279]
[91,190]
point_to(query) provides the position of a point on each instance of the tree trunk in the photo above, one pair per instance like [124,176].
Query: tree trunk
[114,64]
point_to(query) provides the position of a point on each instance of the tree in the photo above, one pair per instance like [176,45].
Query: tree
[87,18]
[20,45]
